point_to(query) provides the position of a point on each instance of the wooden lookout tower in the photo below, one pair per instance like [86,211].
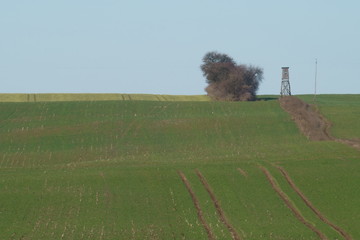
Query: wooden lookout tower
[285,83]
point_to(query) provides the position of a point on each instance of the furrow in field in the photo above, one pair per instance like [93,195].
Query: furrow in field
[311,206]
[242,172]
[218,208]
[197,206]
[290,205]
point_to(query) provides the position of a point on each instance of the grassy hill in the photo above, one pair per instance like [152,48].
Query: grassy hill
[173,169]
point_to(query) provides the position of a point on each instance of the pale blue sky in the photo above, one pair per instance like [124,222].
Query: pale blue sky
[156,46]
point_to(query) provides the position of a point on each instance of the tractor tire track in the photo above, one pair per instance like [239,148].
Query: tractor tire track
[197,206]
[243,172]
[355,143]
[290,205]
[218,208]
[311,206]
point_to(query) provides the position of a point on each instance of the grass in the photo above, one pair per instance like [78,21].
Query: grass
[343,111]
[52,97]
[108,169]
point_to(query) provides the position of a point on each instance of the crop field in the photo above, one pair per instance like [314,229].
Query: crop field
[174,168]
[343,111]
[51,97]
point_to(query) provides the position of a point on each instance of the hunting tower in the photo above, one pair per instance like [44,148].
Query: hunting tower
[285,83]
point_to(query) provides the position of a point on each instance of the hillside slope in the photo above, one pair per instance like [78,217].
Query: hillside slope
[170,170]
[311,123]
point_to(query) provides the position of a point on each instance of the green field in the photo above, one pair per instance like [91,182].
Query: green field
[51,97]
[343,111]
[88,168]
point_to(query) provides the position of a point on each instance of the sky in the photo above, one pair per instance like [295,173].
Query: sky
[156,47]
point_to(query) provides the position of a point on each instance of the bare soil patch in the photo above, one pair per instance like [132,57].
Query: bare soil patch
[311,206]
[218,208]
[197,206]
[290,205]
[310,122]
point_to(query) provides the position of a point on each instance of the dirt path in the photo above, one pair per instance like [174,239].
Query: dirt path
[197,206]
[310,122]
[218,208]
[311,206]
[351,142]
[290,205]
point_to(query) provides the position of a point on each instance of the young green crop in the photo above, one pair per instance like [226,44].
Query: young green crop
[343,111]
[109,170]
